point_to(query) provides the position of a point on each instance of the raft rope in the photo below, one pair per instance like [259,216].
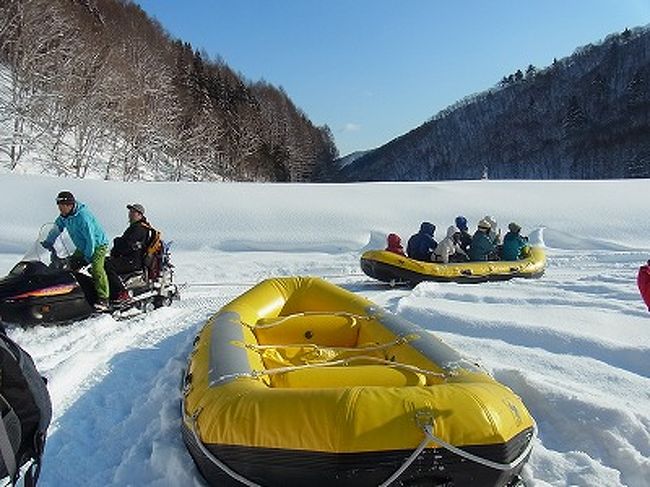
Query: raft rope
[281,370]
[257,374]
[430,437]
[353,317]
[364,348]
[252,283]
[226,469]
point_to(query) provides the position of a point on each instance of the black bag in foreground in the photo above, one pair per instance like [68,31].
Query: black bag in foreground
[26,413]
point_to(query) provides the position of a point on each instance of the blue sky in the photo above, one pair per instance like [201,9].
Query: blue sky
[374,69]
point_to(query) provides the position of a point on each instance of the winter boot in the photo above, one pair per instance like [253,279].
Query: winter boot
[122,297]
[101,305]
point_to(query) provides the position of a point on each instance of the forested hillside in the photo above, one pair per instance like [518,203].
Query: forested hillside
[586,116]
[96,88]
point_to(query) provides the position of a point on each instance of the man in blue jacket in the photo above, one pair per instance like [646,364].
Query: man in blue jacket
[89,238]
[421,245]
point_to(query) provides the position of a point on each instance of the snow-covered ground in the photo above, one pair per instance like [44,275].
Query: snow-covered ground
[574,344]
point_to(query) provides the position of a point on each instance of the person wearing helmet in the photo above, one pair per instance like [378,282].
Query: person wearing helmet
[514,245]
[482,247]
[449,250]
[395,244]
[421,245]
[89,239]
[464,235]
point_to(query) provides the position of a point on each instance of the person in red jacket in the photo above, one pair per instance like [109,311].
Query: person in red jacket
[395,244]
[643,281]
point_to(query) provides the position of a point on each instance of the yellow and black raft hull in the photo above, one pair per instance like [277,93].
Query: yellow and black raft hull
[300,382]
[390,267]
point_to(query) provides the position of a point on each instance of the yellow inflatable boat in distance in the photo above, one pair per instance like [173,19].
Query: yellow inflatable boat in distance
[393,268]
[300,382]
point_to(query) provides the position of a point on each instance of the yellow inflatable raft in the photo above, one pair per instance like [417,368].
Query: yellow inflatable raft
[390,267]
[300,382]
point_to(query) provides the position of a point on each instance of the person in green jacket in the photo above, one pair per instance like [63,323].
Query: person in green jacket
[482,247]
[513,243]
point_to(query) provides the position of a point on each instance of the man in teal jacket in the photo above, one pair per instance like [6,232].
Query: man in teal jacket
[513,243]
[89,238]
[482,246]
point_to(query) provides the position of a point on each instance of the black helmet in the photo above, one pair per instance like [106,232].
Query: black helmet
[65,197]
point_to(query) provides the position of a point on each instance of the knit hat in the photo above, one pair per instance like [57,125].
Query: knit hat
[65,197]
[461,222]
[136,207]
[513,227]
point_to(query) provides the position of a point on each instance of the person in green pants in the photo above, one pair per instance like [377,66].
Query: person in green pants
[89,239]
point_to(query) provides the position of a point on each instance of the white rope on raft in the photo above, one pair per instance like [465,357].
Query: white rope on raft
[430,437]
[313,346]
[256,374]
[208,454]
[353,317]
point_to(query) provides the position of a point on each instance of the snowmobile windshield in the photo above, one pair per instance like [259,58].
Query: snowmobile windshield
[54,257]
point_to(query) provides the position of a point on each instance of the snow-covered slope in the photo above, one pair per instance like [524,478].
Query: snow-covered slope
[574,344]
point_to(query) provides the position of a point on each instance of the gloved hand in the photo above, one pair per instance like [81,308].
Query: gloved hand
[47,245]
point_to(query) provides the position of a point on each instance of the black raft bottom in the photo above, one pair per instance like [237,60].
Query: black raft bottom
[271,467]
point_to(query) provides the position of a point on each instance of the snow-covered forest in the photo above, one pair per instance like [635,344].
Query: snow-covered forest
[99,89]
[585,116]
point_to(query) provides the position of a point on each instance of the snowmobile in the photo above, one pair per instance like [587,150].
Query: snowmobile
[43,289]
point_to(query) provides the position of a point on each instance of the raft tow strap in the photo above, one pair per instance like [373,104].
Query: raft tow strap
[429,436]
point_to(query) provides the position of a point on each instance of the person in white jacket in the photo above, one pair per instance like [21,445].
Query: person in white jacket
[449,248]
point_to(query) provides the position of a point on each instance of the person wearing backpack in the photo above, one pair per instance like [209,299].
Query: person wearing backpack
[26,410]
[128,252]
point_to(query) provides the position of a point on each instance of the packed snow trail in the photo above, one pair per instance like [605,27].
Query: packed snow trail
[575,344]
